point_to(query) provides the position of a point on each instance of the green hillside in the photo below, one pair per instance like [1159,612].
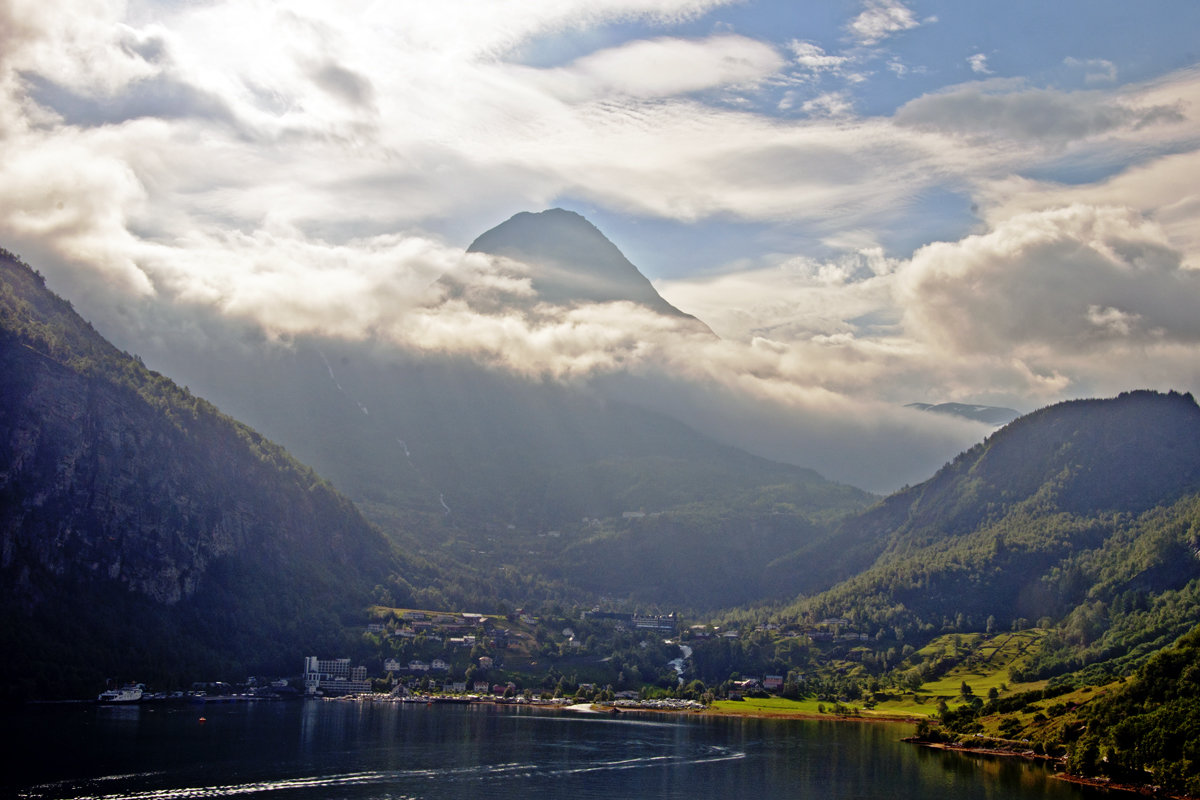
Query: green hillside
[1083,515]
[1139,731]
[1078,529]
[1148,730]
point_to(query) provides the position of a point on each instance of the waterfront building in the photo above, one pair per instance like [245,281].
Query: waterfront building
[334,677]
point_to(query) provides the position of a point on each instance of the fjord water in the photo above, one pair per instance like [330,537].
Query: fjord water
[319,749]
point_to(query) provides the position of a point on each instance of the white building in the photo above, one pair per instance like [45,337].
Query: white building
[333,677]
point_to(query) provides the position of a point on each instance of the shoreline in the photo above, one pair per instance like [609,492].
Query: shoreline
[1027,755]
[1125,788]
[682,707]
[1058,763]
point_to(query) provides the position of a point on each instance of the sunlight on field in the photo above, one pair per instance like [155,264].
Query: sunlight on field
[984,663]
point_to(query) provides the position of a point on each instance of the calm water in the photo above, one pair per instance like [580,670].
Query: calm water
[312,750]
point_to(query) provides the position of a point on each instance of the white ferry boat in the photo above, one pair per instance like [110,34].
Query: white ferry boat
[129,693]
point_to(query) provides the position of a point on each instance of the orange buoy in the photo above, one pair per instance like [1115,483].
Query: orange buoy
[203,720]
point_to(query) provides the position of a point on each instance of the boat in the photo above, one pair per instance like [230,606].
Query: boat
[129,693]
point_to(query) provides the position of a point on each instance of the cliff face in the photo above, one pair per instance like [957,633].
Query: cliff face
[119,488]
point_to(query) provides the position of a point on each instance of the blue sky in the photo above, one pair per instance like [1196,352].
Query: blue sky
[1066,46]
[872,202]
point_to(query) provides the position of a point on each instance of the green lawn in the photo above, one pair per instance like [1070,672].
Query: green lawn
[908,706]
[767,706]
[779,707]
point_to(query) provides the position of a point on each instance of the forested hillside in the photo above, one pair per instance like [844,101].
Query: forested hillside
[1148,730]
[1083,516]
[143,533]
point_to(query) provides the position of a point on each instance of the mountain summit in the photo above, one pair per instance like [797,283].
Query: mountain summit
[571,262]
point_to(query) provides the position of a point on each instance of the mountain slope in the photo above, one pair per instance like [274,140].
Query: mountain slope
[1149,728]
[1083,515]
[170,539]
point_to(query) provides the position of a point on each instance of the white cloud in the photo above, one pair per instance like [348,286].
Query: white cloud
[830,104]
[881,19]
[1069,280]
[1008,110]
[1061,302]
[812,57]
[1096,70]
[662,67]
[1164,190]
[796,300]
[978,64]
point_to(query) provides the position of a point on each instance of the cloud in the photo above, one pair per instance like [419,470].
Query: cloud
[812,57]
[880,20]
[978,64]
[357,124]
[1097,70]
[786,400]
[1007,109]
[344,83]
[183,174]
[797,299]
[662,67]
[830,104]
[1065,301]
[1070,280]
[1163,189]
[159,96]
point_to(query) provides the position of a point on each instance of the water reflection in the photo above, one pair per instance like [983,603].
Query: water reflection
[309,750]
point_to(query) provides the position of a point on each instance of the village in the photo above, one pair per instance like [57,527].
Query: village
[621,659]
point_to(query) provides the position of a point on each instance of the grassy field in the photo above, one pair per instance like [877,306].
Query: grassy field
[984,662]
[911,705]
[782,708]
[1044,719]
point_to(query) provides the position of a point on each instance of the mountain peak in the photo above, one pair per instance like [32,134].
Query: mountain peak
[570,261]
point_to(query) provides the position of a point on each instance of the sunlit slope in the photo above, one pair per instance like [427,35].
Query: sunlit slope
[1082,517]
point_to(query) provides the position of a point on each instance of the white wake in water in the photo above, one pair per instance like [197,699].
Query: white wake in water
[318,782]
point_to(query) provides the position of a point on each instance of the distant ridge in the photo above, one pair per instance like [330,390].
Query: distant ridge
[992,415]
